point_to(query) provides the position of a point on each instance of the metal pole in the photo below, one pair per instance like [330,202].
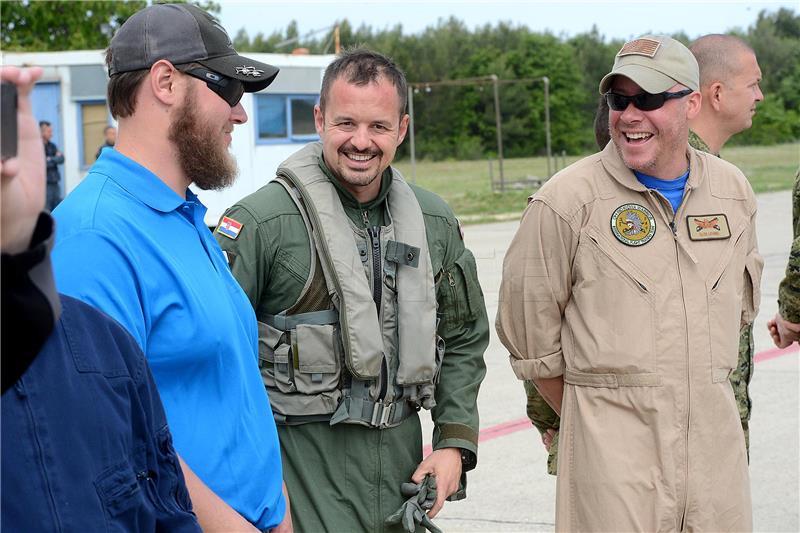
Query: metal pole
[499,130]
[547,124]
[411,132]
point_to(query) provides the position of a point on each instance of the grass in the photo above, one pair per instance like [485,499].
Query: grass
[466,186]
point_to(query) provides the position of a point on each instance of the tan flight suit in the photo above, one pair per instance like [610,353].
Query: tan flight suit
[645,335]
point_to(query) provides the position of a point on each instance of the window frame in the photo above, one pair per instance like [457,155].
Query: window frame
[291,137]
[82,164]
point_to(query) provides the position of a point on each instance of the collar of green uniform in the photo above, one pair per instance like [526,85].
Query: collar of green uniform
[347,198]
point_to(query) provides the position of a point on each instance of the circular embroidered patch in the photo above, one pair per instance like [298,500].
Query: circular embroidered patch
[633,224]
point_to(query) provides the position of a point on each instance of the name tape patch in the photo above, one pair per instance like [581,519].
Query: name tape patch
[708,227]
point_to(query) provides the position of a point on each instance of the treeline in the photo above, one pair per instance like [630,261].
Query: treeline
[458,121]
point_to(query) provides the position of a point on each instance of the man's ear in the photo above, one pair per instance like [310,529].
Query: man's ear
[319,120]
[403,129]
[714,95]
[693,104]
[164,83]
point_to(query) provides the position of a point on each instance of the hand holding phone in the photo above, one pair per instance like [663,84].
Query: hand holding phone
[22,178]
[8,120]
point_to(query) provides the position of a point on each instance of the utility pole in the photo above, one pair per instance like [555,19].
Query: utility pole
[411,132]
[499,130]
[547,124]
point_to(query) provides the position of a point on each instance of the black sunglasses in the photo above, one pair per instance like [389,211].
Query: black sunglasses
[642,101]
[229,89]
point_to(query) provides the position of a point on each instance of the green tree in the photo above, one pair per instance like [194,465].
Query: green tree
[28,25]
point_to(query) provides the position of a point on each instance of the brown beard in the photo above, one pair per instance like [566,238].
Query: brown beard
[201,153]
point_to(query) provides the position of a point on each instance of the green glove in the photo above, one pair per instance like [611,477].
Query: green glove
[421,497]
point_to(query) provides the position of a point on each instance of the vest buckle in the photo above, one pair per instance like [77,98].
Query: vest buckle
[382,414]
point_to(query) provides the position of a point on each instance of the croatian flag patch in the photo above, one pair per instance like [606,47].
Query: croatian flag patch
[229,227]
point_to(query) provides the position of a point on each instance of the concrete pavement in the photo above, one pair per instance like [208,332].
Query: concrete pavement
[511,491]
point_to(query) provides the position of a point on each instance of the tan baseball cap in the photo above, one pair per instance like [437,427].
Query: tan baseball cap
[655,63]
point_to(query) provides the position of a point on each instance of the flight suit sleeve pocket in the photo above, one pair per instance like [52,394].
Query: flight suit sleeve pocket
[459,294]
[752,288]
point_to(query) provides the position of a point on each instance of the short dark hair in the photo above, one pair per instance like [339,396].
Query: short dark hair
[361,67]
[44,123]
[122,90]
[718,56]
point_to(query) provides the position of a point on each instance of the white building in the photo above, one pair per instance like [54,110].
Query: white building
[72,96]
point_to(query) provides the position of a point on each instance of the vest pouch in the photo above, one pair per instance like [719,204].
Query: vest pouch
[316,363]
[273,359]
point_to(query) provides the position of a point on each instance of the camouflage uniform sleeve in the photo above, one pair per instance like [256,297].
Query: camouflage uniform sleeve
[245,252]
[543,418]
[464,327]
[789,290]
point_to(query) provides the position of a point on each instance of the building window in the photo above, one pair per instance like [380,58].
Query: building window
[285,118]
[93,118]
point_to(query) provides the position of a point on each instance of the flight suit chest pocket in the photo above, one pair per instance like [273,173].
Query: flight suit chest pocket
[611,315]
[729,286]
[458,293]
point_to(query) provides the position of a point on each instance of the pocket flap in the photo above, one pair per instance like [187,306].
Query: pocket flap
[315,351]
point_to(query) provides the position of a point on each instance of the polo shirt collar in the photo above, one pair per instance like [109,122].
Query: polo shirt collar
[140,182]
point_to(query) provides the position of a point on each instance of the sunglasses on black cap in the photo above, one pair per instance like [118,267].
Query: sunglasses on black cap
[642,101]
[229,89]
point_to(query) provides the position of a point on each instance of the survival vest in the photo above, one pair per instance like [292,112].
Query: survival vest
[359,346]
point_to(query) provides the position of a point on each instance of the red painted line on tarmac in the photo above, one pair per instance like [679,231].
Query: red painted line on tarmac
[766,355]
[506,428]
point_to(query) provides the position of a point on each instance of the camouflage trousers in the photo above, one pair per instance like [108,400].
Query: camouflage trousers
[543,417]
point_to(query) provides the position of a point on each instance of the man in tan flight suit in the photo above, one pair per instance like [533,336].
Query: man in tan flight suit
[622,297]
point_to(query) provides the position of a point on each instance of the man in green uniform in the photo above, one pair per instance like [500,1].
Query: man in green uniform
[785,327]
[729,82]
[369,309]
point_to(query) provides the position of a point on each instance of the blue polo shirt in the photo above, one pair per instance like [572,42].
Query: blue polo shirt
[129,245]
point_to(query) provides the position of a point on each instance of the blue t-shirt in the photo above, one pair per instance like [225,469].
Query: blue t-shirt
[671,189]
[129,245]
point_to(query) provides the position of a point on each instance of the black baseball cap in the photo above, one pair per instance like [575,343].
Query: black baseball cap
[183,33]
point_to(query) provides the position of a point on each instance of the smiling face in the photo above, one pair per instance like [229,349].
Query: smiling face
[653,142]
[360,130]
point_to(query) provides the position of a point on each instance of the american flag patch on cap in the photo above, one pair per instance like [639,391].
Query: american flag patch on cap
[642,47]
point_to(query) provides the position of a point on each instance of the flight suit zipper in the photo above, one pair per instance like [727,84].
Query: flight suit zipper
[377,292]
[674,230]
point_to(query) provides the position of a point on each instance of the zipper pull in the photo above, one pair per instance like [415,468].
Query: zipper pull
[673,228]
[365,218]
[450,279]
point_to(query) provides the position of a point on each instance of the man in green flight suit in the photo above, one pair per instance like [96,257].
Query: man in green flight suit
[369,309]
[729,82]
[785,326]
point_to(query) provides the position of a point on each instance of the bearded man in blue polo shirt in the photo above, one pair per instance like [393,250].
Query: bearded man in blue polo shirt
[132,242]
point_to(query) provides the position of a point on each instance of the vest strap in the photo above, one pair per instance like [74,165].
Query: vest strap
[285,322]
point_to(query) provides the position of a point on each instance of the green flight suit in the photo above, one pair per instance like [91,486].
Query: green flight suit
[347,477]
[543,417]
[789,290]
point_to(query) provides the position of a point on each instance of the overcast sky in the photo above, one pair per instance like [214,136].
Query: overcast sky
[613,19]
